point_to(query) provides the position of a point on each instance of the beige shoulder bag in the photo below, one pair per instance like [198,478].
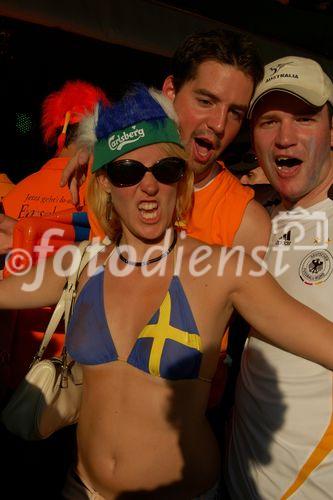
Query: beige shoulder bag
[49,396]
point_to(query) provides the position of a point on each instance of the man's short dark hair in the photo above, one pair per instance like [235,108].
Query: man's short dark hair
[223,46]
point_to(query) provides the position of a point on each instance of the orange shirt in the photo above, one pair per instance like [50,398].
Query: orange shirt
[218,209]
[39,194]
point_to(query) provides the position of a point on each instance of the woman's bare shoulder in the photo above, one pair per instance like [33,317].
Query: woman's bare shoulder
[98,255]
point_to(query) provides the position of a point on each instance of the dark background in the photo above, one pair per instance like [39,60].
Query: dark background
[36,60]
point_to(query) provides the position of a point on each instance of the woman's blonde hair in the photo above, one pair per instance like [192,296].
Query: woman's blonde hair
[101,205]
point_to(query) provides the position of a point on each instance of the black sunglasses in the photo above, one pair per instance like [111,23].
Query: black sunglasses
[124,173]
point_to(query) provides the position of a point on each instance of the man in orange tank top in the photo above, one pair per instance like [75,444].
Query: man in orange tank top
[213,78]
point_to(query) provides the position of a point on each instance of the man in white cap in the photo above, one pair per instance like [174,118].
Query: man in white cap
[282,436]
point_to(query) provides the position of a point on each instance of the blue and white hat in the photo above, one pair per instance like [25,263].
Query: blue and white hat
[143,117]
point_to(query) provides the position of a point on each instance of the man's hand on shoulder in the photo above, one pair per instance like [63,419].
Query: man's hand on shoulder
[255,228]
[74,174]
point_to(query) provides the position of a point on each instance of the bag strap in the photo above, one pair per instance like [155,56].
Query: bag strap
[67,299]
[88,252]
[71,285]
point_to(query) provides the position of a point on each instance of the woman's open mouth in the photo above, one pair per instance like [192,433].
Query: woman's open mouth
[148,210]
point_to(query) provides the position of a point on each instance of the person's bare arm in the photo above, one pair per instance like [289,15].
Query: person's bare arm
[14,296]
[74,174]
[282,320]
[7,225]
[255,228]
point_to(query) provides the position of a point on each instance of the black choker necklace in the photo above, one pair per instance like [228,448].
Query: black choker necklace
[146,262]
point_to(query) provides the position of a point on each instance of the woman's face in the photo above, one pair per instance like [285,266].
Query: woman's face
[145,209]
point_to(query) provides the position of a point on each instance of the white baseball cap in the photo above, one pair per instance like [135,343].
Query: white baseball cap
[299,76]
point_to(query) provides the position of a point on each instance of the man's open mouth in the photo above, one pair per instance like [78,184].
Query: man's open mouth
[203,149]
[204,143]
[287,162]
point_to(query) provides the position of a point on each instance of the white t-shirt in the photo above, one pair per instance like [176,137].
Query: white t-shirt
[282,436]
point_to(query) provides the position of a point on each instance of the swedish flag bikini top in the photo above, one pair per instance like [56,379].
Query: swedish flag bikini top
[169,346]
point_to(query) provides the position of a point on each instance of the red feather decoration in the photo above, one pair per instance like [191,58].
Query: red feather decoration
[73,101]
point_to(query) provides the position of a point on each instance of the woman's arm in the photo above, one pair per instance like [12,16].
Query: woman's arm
[282,320]
[41,286]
